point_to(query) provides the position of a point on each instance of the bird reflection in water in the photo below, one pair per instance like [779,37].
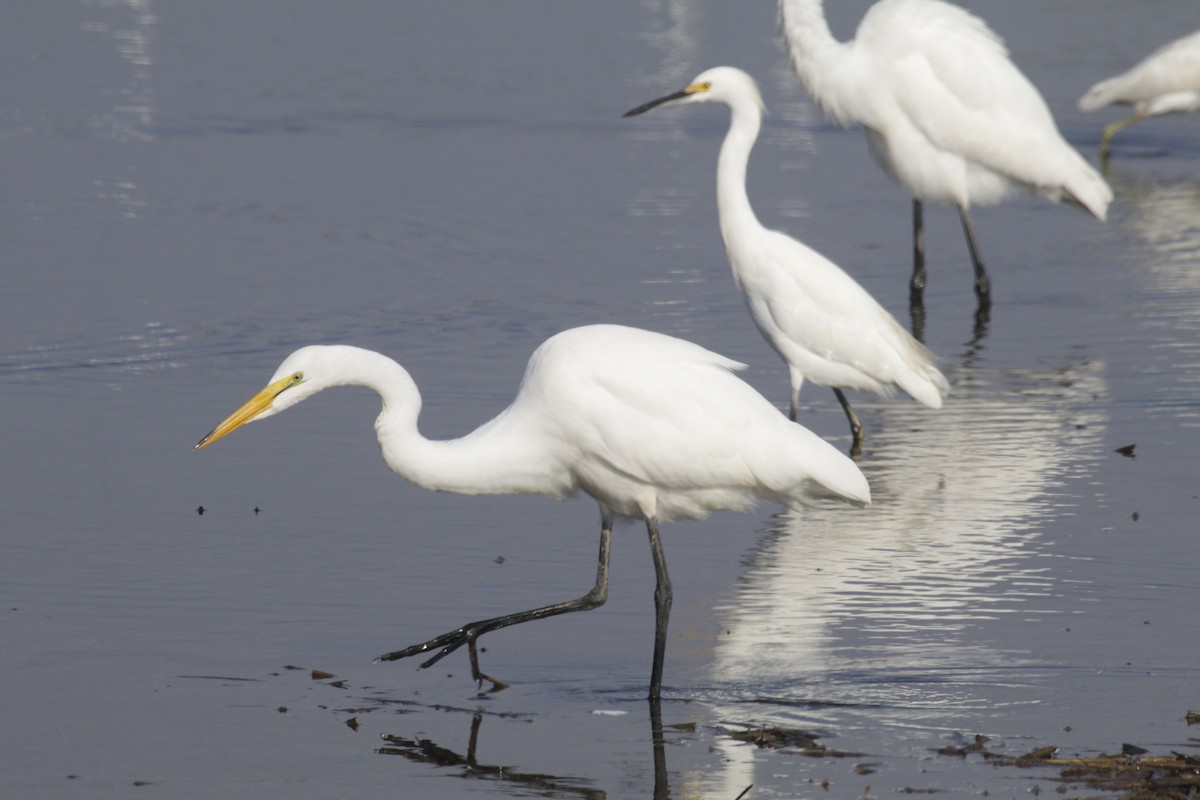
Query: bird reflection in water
[426,751]
[874,606]
[1158,226]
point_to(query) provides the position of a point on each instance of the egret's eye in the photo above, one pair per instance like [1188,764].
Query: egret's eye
[297,377]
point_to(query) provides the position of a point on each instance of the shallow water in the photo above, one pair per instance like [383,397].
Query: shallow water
[194,190]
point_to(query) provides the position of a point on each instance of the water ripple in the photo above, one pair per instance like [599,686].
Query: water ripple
[875,606]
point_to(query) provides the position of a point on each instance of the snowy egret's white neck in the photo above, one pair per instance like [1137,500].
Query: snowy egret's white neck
[814,51]
[733,203]
[805,25]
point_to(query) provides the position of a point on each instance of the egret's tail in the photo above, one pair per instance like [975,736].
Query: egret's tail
[1090,190]
[827,467]
[930,389]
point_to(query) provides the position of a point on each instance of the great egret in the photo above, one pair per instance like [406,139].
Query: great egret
[653,427]
[823,324]
[946,113]
[1165,82]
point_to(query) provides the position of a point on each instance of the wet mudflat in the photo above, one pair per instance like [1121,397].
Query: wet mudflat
[195,190]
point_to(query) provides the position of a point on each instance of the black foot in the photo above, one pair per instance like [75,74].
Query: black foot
[449,642]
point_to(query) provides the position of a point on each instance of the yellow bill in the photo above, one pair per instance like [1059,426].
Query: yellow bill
[252,408]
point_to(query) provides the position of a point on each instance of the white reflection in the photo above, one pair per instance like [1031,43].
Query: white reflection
[1163,219]
[1163,215]
[673,31]
[129,26]
[841,613]
[850,600]
[152,348]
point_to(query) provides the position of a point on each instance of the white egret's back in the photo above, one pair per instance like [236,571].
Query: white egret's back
[651,425]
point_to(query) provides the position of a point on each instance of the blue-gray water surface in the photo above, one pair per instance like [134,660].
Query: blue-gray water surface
[193,190]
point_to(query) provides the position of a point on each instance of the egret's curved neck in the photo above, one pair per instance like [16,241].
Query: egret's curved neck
[733,203]
[498,457]
[814,52]
[805,27]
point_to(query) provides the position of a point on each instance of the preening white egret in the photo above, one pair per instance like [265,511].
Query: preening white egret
[824,325]
[1165,82]
[653,427]
[946,113]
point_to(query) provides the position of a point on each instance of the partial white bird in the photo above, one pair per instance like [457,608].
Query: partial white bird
[1165,82]
[653,427]
[946,113]
[825,326]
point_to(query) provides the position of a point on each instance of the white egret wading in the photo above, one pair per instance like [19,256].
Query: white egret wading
[1165,82]
[653,427]
[946,113]
[824,325]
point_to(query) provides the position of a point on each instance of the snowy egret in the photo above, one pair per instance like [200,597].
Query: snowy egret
[825,326]
[1165,82]
[946,113]
[653,427]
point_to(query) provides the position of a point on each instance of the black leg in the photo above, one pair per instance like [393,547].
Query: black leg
[983,286]
[916,286]
[467,634]
[856,430]
[662,785]
[795,382]
[663,597]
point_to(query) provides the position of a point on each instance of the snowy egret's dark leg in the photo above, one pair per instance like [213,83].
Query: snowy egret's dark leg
[916,286]
[983,286]
[856,429]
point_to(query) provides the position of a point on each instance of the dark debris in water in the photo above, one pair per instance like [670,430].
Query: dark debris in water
[975,746]
[1126,451]
[1137,777]
[1132,774]
[777,738]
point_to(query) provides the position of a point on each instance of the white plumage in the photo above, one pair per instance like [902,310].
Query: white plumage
[946,113]
[1165,82]
[825,326]
[653,427]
